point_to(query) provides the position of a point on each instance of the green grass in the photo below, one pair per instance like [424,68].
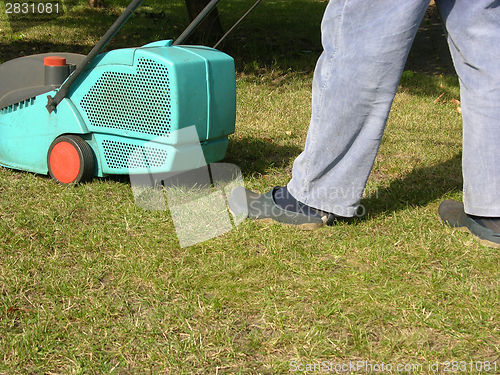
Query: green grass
[92,284]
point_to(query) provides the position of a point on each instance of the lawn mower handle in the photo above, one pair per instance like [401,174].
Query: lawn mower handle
[196,22]
[52,102]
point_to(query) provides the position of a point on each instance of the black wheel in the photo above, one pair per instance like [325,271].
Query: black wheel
[70,160]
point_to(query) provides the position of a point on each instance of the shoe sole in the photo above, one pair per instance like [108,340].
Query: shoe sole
[489,244]
[482,242]
[306,226]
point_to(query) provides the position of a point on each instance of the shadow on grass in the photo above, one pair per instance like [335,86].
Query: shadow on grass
[20,48]
[257,156]
[426,85]
[418,188]
[252,156]
[141,29]
[277,34]
[294,41]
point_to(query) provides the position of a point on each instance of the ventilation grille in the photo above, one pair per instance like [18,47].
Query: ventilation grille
[136,102]
[120,155]
[14,107]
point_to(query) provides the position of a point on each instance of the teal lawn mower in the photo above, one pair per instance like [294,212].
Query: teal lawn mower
[75,117]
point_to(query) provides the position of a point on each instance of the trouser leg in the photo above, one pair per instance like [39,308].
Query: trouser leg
[366,44]
[473,29]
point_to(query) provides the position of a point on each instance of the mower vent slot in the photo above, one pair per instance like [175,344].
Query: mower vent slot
[118,155]
[20,105]
[137,102]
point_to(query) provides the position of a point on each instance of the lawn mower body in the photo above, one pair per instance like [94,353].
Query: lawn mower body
[126,99]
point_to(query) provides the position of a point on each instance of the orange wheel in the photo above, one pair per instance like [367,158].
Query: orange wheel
[70,160]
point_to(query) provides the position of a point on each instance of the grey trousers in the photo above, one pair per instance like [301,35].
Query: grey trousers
[366,43]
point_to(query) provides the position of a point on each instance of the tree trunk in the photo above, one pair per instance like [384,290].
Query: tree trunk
[96,3]
[210,30]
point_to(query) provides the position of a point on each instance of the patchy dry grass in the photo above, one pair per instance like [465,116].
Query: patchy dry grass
[90,283]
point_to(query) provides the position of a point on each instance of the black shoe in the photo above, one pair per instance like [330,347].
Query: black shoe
[487,229]
[286,201]
[245,203]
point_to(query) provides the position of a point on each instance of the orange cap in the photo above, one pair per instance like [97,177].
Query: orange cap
[54,61]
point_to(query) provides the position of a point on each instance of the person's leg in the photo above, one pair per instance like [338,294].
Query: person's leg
[366,44]
[473,29]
